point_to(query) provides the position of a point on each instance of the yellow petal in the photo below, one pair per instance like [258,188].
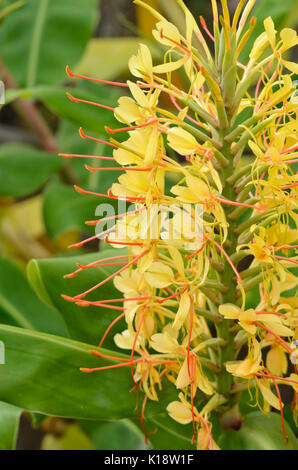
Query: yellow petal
[183,379]
[179,412]
[152,147]
[167,29]
[291,65]
[164,343]
[169,66]
[268,395]
[124,340]
[183,311]
[138,94]
[159,275]
[229,311]
[127,111]
[269,28]
[182,141]
[289,38]
[276,361]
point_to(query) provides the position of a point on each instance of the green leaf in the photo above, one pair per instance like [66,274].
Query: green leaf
[42,374]
[107,58]
[9,425]
[169,434]
[20,306]
[83,115]
[118,435]
[18,165]
[39,39]
[65,209]
[259,432]
[83,323]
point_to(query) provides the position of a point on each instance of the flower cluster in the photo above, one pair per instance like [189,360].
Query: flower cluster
[185,293]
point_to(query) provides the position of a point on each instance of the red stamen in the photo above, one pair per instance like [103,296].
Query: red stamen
[77,100]
[272,313]
[111,242]
[190,333]
[286,346]
[95,222]
[109,195]
[204,26]
[97,353]
[160,301]
[94,263]
[289,186]
[118,168]
[281,408]
[127,299]
[87,240]
[85,136]
[290,149]
[130,128]
[83,294]
[282,379]
[260,81]
[180,46]
[73,155]
[109,328]
[195,253]
[285,247]
[114,366]
[286,259]
[193,365]
[180,109]
[134,344]
[240,204]
[86,303]
[107,82]
[226,256]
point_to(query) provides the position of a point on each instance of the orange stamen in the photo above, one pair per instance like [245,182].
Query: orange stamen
[204,26]
[77,100]
[74,155]
[107,82]
[109,328]
[134,344]
[130,128]
[83,294]
[118,168]
[85,136]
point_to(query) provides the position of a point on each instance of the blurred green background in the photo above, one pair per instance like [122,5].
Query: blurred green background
[40,213]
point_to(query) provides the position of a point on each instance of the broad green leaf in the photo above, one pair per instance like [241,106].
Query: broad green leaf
[71,142]
[65,209]
[25,169]
[83,115]
[20,306]
[39,39]
[9,425]
[259,432]
[120,435]
[107,58]
[83,323]
[42,374]
[169,434]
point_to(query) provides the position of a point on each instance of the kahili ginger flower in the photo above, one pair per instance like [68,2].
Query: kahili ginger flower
[183,293]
